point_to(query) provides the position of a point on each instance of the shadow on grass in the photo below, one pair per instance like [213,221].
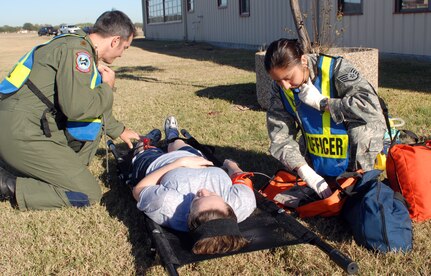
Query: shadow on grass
[243,94]
[405,74]
[238,58]
[137,73]
[143,69]
[121,205]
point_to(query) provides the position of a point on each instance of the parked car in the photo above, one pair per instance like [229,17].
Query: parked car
[47,31]
[68,29]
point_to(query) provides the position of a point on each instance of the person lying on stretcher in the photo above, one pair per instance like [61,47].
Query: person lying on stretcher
[182,190]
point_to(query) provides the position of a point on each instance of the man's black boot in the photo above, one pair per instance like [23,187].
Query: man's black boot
[7,185]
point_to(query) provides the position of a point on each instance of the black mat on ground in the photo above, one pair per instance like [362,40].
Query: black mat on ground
[266,228]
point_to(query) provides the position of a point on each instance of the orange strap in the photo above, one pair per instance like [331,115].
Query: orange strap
[242,178]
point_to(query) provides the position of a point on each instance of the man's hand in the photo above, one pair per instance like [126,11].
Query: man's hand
[127,135]
[314,181]
[108,75]
[310,95]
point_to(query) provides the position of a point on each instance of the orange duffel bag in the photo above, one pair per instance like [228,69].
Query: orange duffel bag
[293,194]
[408,168]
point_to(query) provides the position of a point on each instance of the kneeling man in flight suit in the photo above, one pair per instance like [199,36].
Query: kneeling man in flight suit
[55,105]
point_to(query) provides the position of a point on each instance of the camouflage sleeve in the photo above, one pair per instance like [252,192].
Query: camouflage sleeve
[357,102]
[282,132]
[75,96]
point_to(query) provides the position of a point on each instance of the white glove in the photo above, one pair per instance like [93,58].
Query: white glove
[314,181]
[310,95]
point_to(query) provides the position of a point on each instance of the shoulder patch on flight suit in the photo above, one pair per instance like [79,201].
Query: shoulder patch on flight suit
[83,61]
[352,75]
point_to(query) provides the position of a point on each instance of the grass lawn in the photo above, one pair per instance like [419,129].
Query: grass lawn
[211,91]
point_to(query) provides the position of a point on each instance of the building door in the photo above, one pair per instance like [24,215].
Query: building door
[195,20]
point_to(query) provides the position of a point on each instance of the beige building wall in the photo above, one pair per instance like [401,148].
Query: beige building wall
[225,25]
[378,27]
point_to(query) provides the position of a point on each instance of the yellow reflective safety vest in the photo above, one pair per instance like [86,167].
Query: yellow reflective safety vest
[327,142]
[83,130]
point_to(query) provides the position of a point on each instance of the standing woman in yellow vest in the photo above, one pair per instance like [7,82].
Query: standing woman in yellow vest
[55,105]
[338,111]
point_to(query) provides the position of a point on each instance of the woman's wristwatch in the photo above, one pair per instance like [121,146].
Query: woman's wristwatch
[324,104]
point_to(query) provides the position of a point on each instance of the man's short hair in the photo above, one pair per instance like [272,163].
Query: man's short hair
[113,23]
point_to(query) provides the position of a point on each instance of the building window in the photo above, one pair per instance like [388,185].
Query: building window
[412,6]
[350,7]
[244,7]
[155,11]
[222,3]
[190,5]
[163,11]
[172,10]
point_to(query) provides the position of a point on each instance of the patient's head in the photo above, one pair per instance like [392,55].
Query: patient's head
[214,225]
[205,200]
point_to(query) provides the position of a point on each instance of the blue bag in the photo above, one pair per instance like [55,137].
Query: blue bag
[377,216]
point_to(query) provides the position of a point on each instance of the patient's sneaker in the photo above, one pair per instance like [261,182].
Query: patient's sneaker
[155,135]
[150,139]
[171,128]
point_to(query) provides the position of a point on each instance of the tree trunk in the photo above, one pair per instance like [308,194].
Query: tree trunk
[304,39]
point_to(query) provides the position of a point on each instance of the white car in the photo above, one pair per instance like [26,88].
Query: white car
[68,29]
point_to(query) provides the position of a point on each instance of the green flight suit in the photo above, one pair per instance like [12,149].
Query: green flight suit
[54,169]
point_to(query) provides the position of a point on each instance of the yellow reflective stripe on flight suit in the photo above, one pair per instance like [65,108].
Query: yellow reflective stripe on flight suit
[93,84]
[89,120]
[327,144]
[94,78]
[22,69]
[20,73]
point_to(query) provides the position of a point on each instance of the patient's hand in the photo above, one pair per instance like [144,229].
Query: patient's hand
[194,162]
[231,167]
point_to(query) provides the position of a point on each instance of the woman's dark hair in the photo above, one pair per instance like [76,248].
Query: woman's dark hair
[217,244]
[283,53]
[112,23]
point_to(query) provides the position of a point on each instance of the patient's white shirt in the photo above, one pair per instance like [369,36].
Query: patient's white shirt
[168,203]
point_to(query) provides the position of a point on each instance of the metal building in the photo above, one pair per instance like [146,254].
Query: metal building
[392,26]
